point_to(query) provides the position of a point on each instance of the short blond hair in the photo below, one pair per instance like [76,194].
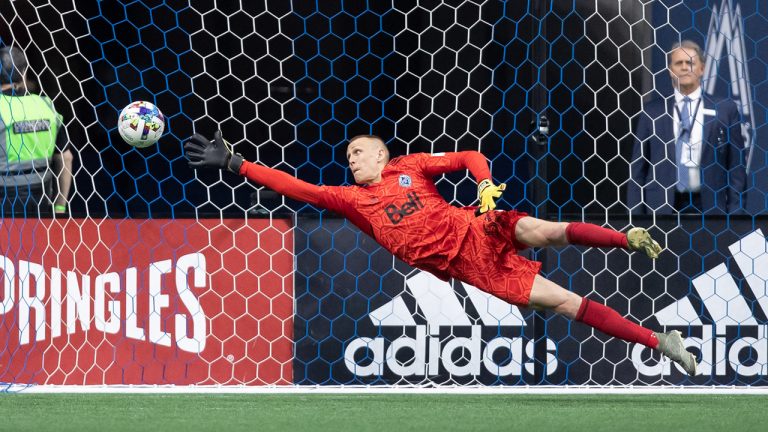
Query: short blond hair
[382,144]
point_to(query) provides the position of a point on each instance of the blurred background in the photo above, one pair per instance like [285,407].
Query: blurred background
[549,91]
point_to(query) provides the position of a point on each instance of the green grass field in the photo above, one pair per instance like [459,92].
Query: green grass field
[382,412]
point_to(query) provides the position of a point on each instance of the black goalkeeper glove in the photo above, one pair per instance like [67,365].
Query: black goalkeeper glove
[215,153]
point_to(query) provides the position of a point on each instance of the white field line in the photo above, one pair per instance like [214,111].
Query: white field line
[465,390]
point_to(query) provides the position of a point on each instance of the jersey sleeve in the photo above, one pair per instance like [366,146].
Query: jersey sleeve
[338,199]
[284,183]
[440,163]
[334,198]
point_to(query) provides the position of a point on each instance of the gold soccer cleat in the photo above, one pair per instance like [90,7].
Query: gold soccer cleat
[640,240]
[671,345]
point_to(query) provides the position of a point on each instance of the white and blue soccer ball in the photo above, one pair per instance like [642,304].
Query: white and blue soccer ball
[141,124]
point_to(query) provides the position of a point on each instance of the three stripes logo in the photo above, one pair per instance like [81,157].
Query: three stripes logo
[732,339]
[440,333]
[432,330]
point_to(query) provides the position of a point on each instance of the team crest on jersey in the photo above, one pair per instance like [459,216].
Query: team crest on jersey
[405,180]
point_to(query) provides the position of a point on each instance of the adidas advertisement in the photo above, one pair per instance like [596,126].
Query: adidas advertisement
[434,338]
[364,318]
[730,338]
[711,284]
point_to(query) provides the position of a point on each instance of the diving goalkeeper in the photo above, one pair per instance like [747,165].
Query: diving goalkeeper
[396,203]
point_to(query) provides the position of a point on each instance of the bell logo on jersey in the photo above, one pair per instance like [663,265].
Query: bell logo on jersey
[396,213]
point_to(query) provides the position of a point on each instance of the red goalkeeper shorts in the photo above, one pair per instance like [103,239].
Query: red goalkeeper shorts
[488,258]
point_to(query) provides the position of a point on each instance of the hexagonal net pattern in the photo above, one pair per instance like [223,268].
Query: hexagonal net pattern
[161,274]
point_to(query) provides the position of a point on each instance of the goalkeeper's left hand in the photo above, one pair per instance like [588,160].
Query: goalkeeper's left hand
[215,153]
[487,192]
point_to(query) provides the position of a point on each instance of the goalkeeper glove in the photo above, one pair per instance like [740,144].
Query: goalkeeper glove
[486,193]
[215,153]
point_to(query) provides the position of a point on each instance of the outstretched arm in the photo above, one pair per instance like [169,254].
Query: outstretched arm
[216,153]
[282,183]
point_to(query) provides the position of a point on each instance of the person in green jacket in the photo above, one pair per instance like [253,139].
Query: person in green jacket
[34,151]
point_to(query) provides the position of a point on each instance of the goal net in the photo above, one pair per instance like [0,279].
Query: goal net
[159,274]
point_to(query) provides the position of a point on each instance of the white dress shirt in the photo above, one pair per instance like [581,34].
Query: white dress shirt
[691,153]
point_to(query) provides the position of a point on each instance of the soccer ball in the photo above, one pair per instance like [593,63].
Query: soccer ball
[141,124]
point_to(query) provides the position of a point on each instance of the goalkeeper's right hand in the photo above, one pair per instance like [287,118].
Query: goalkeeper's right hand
[487,192]
[216,153]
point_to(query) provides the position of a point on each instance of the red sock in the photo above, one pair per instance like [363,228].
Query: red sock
[611,323]
[587,234]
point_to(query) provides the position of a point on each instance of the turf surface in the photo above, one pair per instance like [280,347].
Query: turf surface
[382,412]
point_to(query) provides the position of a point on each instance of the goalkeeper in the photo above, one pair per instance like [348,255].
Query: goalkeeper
[396,203]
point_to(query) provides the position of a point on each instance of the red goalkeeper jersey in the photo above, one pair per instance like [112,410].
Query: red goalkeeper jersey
[404,212]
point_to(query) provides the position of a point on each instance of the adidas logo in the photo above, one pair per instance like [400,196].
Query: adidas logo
[427,353]
[735,338]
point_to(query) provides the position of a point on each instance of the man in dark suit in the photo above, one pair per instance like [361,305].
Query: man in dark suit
[688,153]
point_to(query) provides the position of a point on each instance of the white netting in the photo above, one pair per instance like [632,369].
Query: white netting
[551,94]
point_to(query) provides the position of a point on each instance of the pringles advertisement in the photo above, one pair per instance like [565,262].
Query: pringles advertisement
[90,302]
